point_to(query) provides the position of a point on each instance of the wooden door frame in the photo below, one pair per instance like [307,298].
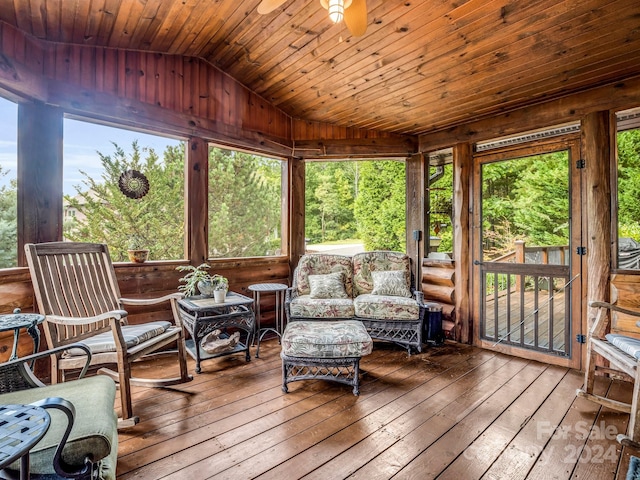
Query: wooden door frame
[577,261]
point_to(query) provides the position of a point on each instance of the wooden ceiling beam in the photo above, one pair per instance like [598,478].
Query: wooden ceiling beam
[571,108]
[356,148]
[18,79]
[134,114]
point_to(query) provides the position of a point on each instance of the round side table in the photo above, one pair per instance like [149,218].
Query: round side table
[279,290]
[15,322]
[21,427]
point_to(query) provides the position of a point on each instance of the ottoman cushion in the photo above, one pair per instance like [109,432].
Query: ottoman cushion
[326,339]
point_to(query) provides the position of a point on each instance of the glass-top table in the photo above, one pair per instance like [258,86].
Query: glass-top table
[202,315]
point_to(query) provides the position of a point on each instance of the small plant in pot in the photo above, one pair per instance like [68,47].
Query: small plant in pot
[137,251]
[199,278]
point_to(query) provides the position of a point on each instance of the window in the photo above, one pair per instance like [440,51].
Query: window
[245,204]
[95,207]
[356,205]
[440,207]
[8,184]
[628,194]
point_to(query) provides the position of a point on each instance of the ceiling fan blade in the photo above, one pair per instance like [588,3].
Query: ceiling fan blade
[268,6]
[356,17]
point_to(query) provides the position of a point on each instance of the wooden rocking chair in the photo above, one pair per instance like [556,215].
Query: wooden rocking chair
[623,355]
[76,289]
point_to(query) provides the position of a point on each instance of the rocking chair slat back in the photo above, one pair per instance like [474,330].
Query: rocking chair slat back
[77,290]
[73,280]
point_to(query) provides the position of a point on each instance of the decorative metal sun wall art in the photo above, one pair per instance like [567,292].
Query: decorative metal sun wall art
[133,184]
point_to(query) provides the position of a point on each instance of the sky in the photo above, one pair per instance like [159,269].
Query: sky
[82,141]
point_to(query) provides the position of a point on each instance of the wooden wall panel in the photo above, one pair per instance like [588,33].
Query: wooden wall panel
[187,85]
[625,292]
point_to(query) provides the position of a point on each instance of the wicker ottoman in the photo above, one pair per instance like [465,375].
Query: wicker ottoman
[324,350]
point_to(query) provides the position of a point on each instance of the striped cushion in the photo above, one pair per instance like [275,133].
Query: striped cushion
[629,345]
[133,335]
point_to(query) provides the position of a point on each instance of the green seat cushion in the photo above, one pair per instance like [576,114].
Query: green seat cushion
[94,432]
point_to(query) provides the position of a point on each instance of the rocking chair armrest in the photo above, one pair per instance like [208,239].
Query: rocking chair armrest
[59,319]
[419,296]
[615,308]
[151,301]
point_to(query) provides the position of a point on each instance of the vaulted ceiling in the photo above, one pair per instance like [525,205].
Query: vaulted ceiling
[421,66]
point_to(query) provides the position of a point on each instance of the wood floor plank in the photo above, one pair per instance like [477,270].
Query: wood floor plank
[454,411]
[405,451]
[226,413]
[384,400]
[601,452]
[321,397]
[510,446]
[461,395]
[445,449]
[551,464]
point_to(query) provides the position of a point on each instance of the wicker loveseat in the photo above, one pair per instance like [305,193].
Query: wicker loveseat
[372,287]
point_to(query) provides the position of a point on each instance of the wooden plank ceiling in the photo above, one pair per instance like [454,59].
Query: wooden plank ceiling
[422,65]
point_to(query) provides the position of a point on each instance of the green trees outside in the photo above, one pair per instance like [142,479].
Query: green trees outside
[330,191]
[364,200]
[629,184]
[8,223]
[380,208]
[522,199]
[244,204]
[105,215]
[525,199]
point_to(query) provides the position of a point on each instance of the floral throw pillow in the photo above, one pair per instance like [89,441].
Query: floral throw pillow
[390,282]
[330,285]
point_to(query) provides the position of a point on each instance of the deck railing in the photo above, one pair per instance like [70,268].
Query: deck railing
[525,303]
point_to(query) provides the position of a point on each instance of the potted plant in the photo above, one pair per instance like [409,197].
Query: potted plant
[199,278]
[137,251]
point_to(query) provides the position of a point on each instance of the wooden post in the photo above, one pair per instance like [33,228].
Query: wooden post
[520,258]
[416,172]
[296,211]
[196,206]
[40,192]
[462,170]
[596,148]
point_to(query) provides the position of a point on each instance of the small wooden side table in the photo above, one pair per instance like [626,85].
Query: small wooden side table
[21,427]
[279,289]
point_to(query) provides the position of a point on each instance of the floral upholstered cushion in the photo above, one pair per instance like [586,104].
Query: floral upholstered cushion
[326,339]
[366,262]
[386,307]
[390,282]
[321,264]
[330,285]
[304,306]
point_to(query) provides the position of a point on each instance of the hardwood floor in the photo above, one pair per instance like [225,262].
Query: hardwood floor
[453,412]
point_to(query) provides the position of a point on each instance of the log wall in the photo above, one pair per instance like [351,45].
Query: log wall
[438,286]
